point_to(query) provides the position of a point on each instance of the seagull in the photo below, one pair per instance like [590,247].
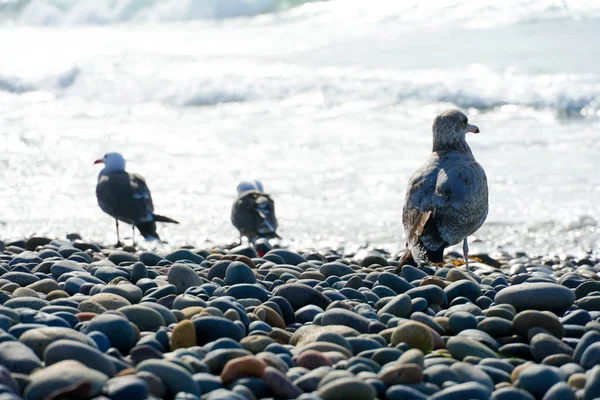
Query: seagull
[253,212]
[126,197]
[447,198]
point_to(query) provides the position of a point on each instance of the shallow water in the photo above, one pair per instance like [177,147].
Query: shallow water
[328,103]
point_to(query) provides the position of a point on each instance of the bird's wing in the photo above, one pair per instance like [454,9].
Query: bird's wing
[125,197]
[462,186]
[254,211]
[421,206]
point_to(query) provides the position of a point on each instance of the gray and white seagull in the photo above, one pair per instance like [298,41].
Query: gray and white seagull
[447,198]
[126,197]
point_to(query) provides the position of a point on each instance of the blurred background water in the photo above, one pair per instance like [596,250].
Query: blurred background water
[329,103]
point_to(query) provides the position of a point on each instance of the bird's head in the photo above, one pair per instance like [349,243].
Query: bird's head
[450,128]
[249,185]
[112,162]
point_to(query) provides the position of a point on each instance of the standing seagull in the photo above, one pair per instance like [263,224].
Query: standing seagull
[447,198]
[253,212]
[125,197]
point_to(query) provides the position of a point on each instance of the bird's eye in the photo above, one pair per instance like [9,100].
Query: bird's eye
[465,120]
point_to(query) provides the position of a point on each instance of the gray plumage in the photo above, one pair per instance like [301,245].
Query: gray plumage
[126,197]
[447,198]
[253,212]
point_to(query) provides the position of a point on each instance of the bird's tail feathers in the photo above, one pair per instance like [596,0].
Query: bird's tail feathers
[413,255]
[148,230]
[162,218]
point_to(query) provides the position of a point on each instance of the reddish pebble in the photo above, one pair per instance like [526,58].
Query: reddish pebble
[85,316]
[312,359]
[248,366]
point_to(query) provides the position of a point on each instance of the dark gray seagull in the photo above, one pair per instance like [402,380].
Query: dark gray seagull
[447,198]
[126,197]
[253,212]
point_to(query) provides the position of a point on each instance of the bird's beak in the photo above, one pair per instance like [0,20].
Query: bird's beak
[98,161]
[472,128]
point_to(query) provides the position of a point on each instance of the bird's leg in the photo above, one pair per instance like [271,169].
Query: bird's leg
[119,244]
[466,253]
[133,234]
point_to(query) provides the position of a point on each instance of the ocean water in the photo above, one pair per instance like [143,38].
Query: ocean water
[328,103]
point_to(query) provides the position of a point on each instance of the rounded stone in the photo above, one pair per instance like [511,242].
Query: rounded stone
[560,391]
[61,350]
[108,273]
[400,306]
[415,334]
[591,356]
[184,335]
[591,389]
[209,329]
[184,254]
[511,393]
[26,302]
[146,319]
[118,330]
[541,296]
[401,374]
[528,319]
[248,291]
[239,272]
[129,387]
[280,384]
[340,316]
[272,317]
[312,359]
[309,333]
[538,379]
[467,390]
[39,339]
[544,345]
[347,388]
[18,358]
[289,257]
[216,359]
[248,366]
[132,293]
[299,295]
[119,256]
[469,373]
[403,392]
[44,286]
[461,321]
[64,375]
[496,326]
[110,301]
[463,288]
[176,378]
[183,277]
[461,347]
[256,344]
[65,266]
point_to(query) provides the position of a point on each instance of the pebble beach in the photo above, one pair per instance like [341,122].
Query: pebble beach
[83,321]
[329,104]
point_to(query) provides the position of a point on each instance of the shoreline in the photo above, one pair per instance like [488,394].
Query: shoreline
[219,324]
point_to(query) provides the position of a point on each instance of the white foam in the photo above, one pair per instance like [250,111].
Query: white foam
[469,13]
[93,12]
[198,84]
